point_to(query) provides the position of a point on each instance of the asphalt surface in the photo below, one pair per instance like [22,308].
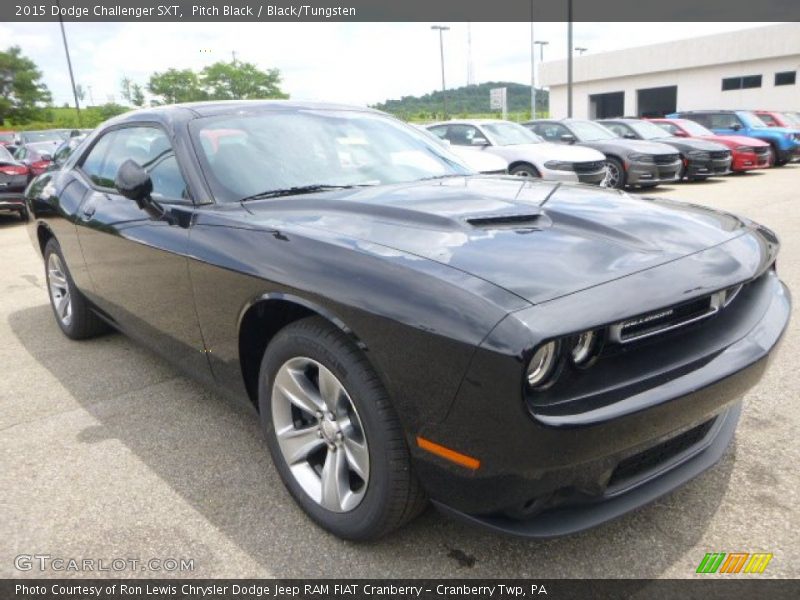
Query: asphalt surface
[106,452]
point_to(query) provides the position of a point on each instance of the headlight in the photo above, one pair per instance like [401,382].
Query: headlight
[583,350]
[559,165]
[699,155]
[744,149]
[542,364]
[642,158]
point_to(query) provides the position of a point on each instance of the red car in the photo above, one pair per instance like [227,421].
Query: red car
[778,119]
[748,153]
[37,156]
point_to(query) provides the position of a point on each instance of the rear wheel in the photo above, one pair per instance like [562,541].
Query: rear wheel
[71,309]
[333,434]
[525,170]
[616,176]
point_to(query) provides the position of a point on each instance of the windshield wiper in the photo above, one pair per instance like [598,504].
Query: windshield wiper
[442,176]
[300,189]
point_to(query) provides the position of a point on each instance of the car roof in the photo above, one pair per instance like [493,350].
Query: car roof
[223,107]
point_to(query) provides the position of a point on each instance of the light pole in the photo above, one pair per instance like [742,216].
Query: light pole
[569,58]
[69,64]
[541,49]
[533,69]
[580,50]
[442,28]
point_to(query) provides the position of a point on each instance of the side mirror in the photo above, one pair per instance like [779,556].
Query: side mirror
[629,136]
[134,182]
[47,157]
[736,126]
[479,141]
[568,138]
[679,133]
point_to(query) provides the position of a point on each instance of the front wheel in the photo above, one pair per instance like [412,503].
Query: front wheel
[333,433]
[615,176]
[525,170]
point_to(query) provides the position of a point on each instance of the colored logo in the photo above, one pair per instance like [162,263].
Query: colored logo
[734,562]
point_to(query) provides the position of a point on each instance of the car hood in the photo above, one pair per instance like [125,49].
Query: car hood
[624,146]
[688,144]
[734,141]
[546,151]
[494,228]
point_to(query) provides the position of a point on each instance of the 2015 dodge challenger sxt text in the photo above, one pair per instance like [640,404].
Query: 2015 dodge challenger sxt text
[531,356]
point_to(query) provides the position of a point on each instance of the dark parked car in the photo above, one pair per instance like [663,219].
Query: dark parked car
[65,150]
[785,142]
[747,153]
[700,159]
[630,162]
[37,156]
[13,179]
[536,357]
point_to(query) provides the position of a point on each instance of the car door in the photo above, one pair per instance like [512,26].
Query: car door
[137,263]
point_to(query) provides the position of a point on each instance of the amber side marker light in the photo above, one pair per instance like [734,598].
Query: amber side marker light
[460,459]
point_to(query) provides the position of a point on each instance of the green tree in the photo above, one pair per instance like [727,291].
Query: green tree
[137,95]
[22,91]
[174,85]
[241,81]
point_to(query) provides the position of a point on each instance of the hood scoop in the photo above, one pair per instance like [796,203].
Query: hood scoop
[526,220]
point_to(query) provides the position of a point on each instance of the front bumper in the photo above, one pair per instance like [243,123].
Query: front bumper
[594,177]
[651,173]
[571,462]
[746,161]
[707,167]
[12,201]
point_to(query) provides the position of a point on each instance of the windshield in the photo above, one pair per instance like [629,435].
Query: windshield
[6,137]
[752,120]
[511,134]
[694,128]
[271,151]
[791,118]
[5,155]
[586,131]
[41,136]
[647,130]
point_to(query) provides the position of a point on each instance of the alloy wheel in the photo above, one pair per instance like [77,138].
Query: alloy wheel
[612,175]
[320,434]
[59,289]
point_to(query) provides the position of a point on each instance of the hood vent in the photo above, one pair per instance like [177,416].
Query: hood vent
[512,221]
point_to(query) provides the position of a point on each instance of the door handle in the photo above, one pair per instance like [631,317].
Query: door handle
[88,211]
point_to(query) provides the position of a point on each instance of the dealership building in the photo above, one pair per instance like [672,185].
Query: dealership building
[748,69]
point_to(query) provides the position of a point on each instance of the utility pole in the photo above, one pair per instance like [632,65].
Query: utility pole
[69,63]
[441,29]
[541,44]
[470,73]
[569,58]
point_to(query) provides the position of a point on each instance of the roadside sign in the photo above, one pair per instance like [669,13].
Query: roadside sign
[497,100]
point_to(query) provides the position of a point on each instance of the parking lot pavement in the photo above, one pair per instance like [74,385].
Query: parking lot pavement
[109,453]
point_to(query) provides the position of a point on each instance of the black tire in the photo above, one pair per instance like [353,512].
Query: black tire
[393,495]
[776,162]
[622,176]
[83,322]
[525,170]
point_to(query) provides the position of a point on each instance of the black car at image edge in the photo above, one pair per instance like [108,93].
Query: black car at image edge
[533,357]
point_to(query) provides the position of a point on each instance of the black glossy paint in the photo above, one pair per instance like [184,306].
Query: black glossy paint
[447,298]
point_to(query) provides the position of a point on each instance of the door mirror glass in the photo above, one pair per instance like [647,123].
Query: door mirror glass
[133,182]
[736,126]
[629,136]
[480,141]
[568,138]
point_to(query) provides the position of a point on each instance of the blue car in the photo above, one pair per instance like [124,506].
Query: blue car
[785,142]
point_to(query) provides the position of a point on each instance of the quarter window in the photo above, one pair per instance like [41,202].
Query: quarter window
[552,132]
[462,135]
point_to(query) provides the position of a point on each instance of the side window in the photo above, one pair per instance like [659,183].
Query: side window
[440,131]
[668,127]
[552,132]
[461,135]
[21,153]
[724,121]
[147,146]
[703,119]
[620,130]
[768,119]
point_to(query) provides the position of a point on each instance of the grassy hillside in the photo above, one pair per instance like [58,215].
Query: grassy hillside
[471,100]
[66,118]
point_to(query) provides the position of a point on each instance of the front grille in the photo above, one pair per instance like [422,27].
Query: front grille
[589,167]
[650,459]
[721,154]
[665,159]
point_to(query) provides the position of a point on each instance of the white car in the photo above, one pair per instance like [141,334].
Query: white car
[474,158]
[526,153]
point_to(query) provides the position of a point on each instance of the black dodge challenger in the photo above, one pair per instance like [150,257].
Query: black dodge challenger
[533,357]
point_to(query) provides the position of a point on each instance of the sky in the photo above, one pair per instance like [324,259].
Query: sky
[354,63]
